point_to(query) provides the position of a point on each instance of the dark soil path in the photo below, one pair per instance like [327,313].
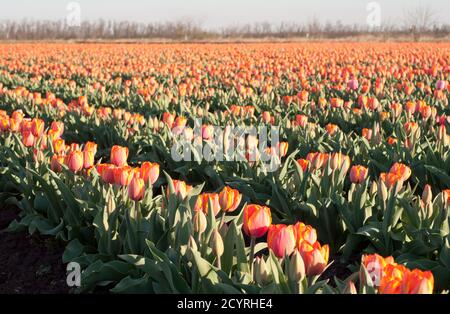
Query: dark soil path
[29,264]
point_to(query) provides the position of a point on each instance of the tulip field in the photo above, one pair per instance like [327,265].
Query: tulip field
[356,199]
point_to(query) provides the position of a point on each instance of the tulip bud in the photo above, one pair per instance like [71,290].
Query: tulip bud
[200,222]
[296,267]
[427,195]
[216,243]
[260,272]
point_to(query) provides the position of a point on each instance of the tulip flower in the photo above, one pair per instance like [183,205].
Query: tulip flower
[74,161]
[282,148]
[203,201]
[123,175]
[119,155]
[304,164]
[301,120]
[56,163]
[89,158]
[59,146]
[229,199]
[314,256]
[340,162]
[375,265]
[257,220]
[136,189]
[305,233]
[317,160]
[90,146]
[168,119]
[441,85]
[401,170]
[331,128]
[106,171]
[149,172]
[181,189]
[28,138]
[57,127]
[37,127]
[281,240]
[353,84]
[358,174]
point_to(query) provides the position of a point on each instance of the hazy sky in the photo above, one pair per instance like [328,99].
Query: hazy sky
[217,13]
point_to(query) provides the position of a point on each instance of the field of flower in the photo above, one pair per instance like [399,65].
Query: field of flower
[353,198]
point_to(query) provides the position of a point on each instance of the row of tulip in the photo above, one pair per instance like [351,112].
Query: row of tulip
[310,257]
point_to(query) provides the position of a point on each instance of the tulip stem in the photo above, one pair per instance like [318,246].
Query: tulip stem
[252,253]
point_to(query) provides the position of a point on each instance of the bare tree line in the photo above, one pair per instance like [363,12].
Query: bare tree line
[417,23]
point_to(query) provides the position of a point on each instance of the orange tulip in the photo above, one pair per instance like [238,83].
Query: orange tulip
[229,199]
[301,120]
[281,240]
[136,189]
[91,146]
[317,160]
[340,162]
[401,170]
[119,155]
[203,200]
[74,161]
[37,127]
[168,119]
[89,157]
[367,133]
[257,220]
[181,189]
[106,171]
[417,282]
[149,172]
[282,148]
[331,128]
[59,146]
[304,164]
[305,233]
[123,175]
[314,256]
[28,138]
[358,174]
[56,163]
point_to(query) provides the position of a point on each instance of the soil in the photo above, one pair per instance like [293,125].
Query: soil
[29,264]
